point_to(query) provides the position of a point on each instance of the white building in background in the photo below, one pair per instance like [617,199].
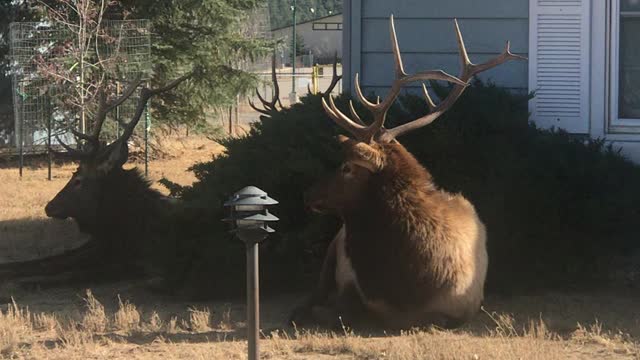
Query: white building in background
[321,37]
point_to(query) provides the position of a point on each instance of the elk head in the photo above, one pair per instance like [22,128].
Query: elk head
[373,151]
[99,162]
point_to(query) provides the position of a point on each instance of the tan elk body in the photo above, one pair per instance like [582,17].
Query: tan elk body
[408,253]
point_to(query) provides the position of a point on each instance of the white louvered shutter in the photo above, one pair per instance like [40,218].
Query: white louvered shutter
[559,63]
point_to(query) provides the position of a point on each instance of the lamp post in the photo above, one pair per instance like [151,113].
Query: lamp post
[250,217]
[293,97]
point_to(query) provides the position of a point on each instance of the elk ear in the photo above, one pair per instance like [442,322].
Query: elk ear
[115,156]
[342,139]
[365,155]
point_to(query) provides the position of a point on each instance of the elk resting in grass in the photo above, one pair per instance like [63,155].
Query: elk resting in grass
[116,207]
[408,254]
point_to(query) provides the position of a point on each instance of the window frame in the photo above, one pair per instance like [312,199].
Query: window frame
[325,26]
[616,123]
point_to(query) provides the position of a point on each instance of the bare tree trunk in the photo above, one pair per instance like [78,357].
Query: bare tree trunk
[230,121]
[237,113]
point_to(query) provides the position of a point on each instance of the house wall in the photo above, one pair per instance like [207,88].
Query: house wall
[322,43]
[427,39]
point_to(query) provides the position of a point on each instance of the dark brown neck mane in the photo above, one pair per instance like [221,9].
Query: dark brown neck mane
[388,225]
[127,210]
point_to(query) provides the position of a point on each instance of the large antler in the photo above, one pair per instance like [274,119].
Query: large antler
[104,107]
[376,129]
[469,70]
[269,106]
[379,110]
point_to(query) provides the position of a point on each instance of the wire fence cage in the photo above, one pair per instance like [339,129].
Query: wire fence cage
[55,80]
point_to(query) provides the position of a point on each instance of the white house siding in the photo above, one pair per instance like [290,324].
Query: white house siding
[322,43]
[427,39]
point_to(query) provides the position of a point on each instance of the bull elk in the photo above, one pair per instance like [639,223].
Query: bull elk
[408,253]
[116,207]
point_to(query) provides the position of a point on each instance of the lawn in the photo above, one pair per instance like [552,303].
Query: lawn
[132,321]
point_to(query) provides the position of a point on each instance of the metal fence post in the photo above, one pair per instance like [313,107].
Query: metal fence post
[147,125]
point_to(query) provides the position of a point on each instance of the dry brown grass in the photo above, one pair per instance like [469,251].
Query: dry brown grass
[122,333]
[75,323]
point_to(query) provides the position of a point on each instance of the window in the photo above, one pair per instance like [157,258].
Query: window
[324,26]
[625,63]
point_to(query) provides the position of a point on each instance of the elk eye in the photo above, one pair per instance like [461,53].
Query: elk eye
[76,183]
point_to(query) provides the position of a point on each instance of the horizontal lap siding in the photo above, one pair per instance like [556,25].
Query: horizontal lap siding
[427,39]
[377,69]
[489,9]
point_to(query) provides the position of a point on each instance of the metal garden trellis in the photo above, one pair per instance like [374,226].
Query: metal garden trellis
[38,116]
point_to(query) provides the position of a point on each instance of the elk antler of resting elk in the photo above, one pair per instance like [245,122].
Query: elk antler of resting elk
[335,78]
[269,107]
[376,131]
[115,153]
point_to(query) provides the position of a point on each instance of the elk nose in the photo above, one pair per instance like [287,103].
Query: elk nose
[52,212]
[48,210]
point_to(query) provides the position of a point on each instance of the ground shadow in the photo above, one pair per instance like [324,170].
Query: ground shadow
[28,239]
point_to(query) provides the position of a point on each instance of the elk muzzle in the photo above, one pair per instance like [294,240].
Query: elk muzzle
[54,211]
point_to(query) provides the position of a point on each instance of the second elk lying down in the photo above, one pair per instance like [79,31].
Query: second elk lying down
[408,254]
[124,217]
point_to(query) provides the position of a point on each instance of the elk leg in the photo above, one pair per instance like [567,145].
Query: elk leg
[346,311]
[349,306]
[84,255]
[326,286]
[89,261]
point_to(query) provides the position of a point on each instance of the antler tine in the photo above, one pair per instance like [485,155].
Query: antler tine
[254,107]
[341,119]
[101,115]
[468,70]
[270,106]
[145,95]
[70,152]
[90,138]
[430,102]
[335,78]
[170,85]
[103,109]
[380,109]
[400,73]
[276,86]
[128,91]
[505,56]
[264,102]
[465,62]
[354,114]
